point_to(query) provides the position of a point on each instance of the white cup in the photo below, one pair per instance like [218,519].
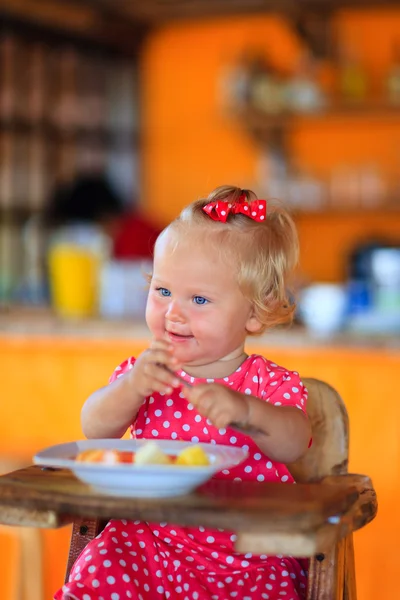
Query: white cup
[124,289]
[322,308]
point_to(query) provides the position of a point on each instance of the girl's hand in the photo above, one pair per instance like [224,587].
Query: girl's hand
[218,403]
[149,374]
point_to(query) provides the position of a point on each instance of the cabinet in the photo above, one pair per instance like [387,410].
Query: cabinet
[67,105]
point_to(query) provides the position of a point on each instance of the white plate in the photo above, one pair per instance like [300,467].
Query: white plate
[140,481]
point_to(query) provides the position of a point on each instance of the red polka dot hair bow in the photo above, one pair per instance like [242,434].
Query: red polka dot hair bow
[219,211]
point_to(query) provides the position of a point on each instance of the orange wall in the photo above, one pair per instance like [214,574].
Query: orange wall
[190,145]
[326,240]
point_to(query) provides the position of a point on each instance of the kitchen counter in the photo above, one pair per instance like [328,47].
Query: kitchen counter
[32,322]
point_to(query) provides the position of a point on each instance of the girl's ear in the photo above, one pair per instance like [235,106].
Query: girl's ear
[253,325]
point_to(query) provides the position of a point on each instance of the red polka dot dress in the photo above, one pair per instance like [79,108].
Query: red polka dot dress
[153,561]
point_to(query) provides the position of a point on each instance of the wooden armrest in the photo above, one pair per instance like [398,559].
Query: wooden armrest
[366,507]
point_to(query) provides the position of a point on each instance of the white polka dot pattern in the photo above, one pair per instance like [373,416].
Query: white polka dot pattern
[146,560]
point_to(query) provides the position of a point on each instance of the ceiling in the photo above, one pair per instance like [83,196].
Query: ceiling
[310,18]
[124,23]
[156,11]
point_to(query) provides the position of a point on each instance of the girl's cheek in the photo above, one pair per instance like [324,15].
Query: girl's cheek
[154,304]
[201,314]
[198,320]
[153,310]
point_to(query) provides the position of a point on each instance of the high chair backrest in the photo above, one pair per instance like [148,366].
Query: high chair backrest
[328,454]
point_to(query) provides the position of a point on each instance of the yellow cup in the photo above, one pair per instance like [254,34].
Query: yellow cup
[74,280]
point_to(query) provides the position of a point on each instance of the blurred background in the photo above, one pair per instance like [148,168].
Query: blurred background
[113,116]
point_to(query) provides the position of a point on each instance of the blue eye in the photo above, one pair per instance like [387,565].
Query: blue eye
[200,300]
[163,292]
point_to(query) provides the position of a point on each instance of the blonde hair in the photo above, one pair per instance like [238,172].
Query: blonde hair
[265,253]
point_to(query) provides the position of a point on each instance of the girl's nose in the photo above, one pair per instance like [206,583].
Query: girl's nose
[174,312]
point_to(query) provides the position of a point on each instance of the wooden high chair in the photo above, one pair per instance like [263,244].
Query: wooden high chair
[332,574]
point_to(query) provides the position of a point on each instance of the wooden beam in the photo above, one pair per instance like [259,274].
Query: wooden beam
[157,11]
[124,24]
[75,19]
[84,15]
[47,12]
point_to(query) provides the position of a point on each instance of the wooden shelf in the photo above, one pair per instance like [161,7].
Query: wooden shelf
[260,123]
[274,131]
[156,12]
[340,213]
[86,24]
[107,137]
[17,215]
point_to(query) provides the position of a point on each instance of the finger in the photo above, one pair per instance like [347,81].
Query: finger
[160,356]
[196,393]
[161,345]
[160,387]
[206,406]
[160,373]
[188,393]
[219,419]
[153,385]
[157,374]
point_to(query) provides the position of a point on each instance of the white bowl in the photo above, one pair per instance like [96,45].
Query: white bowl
[140,481]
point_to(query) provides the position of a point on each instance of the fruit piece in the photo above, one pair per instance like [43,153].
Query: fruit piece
[193,456]
[117,457]
[125,456]
[91,455]
[108,456]
[151,454]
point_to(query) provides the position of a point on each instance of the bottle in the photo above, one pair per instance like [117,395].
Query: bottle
[352,78]
[266,87]
[32,288]
[76,255]
[303,92]
[233,85]
[393,78]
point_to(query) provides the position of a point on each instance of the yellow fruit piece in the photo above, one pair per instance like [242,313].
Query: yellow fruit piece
[193,456]
[151,454]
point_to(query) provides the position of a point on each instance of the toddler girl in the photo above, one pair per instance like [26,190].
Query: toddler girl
[220,274]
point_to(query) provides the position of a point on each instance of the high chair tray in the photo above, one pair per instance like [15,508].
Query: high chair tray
[282,518]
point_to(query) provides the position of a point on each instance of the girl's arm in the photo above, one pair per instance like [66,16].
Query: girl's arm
[285,430]
[109,411]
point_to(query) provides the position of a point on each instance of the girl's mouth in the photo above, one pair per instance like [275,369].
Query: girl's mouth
[178,337]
